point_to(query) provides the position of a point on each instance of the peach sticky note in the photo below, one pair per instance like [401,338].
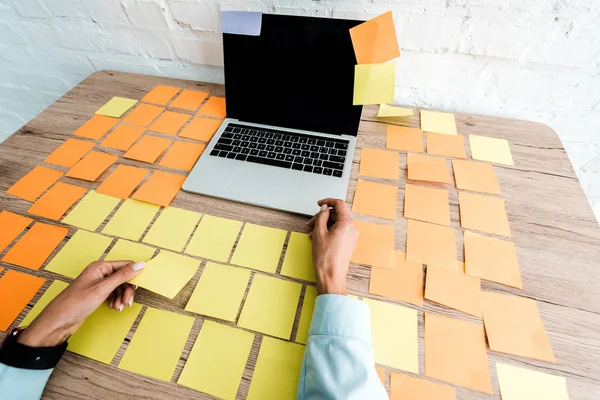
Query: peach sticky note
[404,139]
[160,95]
[404,387]
[483,213]
[455,352]
[513,325]
[214,238]
[308,308]
[426,204]
[259,248]
[380,164]
[56,201]
[148,148]
[122,181]
[427,168]
[375,199]
[298,261]
[123,137]
[490,149]
[92,166]
[375,245]
[374,83]
[116,107]
[446,145]
[16,291]
[143,114]
[475,176]
[518,383]
[454,289]
[403,283]
[214,107]
[34,183]
[438,122]
[169,123]
[96,127]
[35,246]
[375,41]
[201,129]
[71,151]
[189,100]
[381,373]
[430,244]
[11,226]
[160,188]
[182,155]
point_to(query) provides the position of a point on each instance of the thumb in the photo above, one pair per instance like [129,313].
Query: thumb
[321,220]
[123,274]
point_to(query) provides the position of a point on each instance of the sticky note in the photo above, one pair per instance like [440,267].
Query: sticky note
[410,387]
[81,250]
[32,185]
[375,40]
[375,245]
[124,250]
[148,148]
[68,153]
[160,95]
[172,228]
[259,248]
[430,244]
[394,335]
[149,353]
[131,219]
[270,306]
[446,145]
[455,352]
[381,373]
[35,246]
[380,164]
[167,273]
[492,259]
[201,129]
[96,127]
[454,289]
[518,383]
[143,115]
[513,325]
[91,211]
[103,332]
[16,291]
[490,149]
[427,168]
[189,100]
[403,138]
[53,290]
[122,181]
[483,213]
[426,204]
[475,176]
[182,155]
[277,370]
[298,262]
[375,199]
[374,83]
[169,123]
[90,167]
[308,307]
[56,201]
[214,107]
[387,111]
[219,291]
[214,238]
[217,361]
[438,122]
[116,107]
[241,22]
[123,137]
[403,283]
[11,226]
[160,188]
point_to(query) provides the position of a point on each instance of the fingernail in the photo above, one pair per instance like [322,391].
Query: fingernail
[324,207]
[138,265]
[130,301]
[135,287]
[120,307]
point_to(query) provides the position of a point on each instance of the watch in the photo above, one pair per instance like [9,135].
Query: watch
[18,355]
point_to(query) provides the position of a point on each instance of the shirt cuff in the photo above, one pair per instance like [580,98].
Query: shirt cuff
[341,316]
[17,355]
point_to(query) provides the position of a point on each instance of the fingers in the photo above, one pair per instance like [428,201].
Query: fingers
[124,272]
[118,300]
[321,220]
[110,267]
[128,293]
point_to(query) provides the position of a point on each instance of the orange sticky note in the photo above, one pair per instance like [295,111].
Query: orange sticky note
[454,289]
[214,107]
[446,145]
[96,127]
[381,374]
[56,201]
[404,138]
[169,123]
[71,151]
[475,176]
[201,129]
[122,181]
[189,100]
[403,283]
[36,245]
[92,166]
[375,199]
[148,148]
[123,137]
[34,183]
[160,95]
[16,291]
[483,213]
[430,244]
[380,164]
[182,155]
[427,168]
[375,245]
[375,41]
[160,189]
[514,326]
[426,204]
[143,114]
[11,226]
[403,387]
[455,352]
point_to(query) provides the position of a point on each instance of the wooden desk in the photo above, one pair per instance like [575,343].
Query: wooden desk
[556,234]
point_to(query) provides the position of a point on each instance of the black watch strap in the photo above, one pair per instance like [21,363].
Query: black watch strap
[18,355]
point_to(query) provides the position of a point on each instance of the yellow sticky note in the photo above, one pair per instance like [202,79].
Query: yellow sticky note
[125,250]
[157,344]
[82,249]
[214,238]
[518,383]
[167,273]
[490,149]
[131,219]
[277,370]
[103,332]
[308,306]
[270,306]
[374,83]
[217,361]
[91,211]
[259,248]
[172,228]
[386,111]
[219,291]
[438,122]
[116,107]
[394,335]
[298,262]
[54,290]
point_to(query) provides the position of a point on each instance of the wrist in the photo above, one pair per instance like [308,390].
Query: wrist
[330,284]
[36,335]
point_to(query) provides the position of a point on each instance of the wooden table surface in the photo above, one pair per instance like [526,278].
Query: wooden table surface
[552,224]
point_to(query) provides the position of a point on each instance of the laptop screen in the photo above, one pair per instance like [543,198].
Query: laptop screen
[299,73]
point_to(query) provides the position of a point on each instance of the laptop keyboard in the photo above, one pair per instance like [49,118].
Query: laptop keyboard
[313,154]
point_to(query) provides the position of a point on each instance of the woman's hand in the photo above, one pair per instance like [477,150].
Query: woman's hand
[334,239]
[99,281]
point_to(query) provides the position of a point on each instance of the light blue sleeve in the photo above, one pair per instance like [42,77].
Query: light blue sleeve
[22,384]
[339,361]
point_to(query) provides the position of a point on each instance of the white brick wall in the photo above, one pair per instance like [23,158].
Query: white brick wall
[530,59]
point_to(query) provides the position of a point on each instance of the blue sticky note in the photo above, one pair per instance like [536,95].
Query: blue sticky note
[241,22]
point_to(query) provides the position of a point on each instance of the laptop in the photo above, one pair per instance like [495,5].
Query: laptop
[290,132]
